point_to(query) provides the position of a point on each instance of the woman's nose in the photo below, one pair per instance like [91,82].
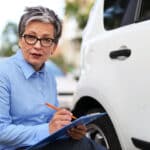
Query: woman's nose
[37,44]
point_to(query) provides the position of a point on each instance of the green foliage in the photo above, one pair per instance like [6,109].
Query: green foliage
[71,8]
[60,61]
[11,27]
[9,39]
[79,9]
[82,20]
[6,52]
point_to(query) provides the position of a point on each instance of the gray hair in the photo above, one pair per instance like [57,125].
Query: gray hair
[42,14]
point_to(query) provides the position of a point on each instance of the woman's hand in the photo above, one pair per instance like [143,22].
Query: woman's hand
[60,119]
[77,132]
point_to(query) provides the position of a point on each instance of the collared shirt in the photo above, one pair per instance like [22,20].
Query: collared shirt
[24,116]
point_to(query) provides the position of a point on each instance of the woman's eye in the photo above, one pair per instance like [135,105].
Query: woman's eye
[47,40]
[31,37]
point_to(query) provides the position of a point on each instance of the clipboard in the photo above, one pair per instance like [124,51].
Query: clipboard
[62,133]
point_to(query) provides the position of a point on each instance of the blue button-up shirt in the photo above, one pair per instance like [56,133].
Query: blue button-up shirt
[24,116]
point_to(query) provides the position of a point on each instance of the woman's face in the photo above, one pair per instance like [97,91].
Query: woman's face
[36,54]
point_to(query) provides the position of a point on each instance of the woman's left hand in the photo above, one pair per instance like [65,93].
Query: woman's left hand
[77,132]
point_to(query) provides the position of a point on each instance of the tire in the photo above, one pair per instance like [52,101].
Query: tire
[102,132]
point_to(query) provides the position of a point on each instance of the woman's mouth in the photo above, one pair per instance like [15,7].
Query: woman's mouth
[36,55]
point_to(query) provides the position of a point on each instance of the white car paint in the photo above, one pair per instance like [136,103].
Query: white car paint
[120,85]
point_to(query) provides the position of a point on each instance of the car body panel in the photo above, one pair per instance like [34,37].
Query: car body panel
[120,85]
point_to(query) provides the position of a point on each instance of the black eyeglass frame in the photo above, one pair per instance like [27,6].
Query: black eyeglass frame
[49,44]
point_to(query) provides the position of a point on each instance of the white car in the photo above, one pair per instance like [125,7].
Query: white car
[115,74]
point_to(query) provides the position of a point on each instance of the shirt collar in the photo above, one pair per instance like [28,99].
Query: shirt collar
[26,68]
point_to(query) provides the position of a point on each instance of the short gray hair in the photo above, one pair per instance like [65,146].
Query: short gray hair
[42,14]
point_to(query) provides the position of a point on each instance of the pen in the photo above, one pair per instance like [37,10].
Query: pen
[56,108]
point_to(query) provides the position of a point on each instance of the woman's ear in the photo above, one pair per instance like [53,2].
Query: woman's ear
[19,43]
[53,49]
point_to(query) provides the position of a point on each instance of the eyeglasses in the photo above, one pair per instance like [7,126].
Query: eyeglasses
[32,40]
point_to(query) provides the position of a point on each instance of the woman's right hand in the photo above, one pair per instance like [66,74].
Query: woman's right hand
[60,119]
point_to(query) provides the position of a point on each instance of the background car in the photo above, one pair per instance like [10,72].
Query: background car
[115,74]
[66,85]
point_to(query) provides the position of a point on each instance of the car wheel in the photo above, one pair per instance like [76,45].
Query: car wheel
[102,132]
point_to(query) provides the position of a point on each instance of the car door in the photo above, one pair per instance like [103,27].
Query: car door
[117,65]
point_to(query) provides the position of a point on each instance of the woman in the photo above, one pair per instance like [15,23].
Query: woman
[26,84]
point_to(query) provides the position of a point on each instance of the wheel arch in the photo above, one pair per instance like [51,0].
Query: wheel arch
[86,103]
